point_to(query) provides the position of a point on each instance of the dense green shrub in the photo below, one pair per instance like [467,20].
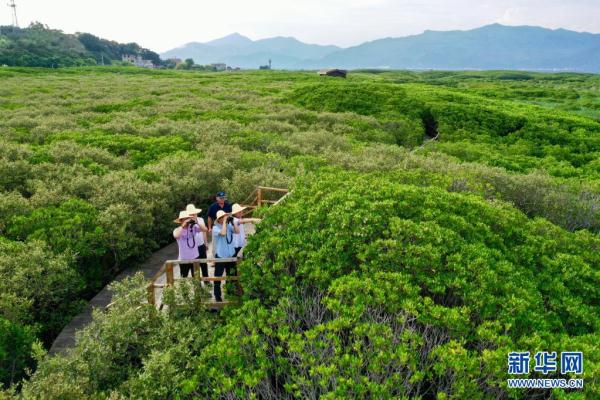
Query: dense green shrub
[71,227]
[398,113]
[367,288]
[131,351]
[37,287]
[15,351]
[95,162]
[519,138]
[14,168]
[139,149]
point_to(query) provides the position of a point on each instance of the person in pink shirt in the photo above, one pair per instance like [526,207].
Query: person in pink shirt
[185,235]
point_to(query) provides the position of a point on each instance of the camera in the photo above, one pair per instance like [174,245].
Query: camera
[230,220]
[191,222]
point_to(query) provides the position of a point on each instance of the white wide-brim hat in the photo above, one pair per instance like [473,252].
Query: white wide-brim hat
[191,209]
[220,214]
[236,208]
[182,215]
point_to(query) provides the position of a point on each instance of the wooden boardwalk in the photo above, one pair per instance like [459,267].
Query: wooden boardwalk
[66,339]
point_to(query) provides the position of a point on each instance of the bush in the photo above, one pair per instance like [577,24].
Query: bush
[361,287]
[15,351]
[37,287]
[96,163]
[131,351]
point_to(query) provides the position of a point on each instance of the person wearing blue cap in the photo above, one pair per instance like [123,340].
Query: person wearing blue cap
[220,204]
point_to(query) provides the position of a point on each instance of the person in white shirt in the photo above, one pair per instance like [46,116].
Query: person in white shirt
[200,236]
[239,239]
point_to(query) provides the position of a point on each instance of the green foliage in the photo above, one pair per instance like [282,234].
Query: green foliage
[364,288]
[413,275]
[140,150]
[15,351]
[131,351]
[516,137]
[398,113]
[72,225]
[104,50]
[40,46]
[37,287]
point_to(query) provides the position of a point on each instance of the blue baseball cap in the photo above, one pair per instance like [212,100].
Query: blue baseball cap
[221,194]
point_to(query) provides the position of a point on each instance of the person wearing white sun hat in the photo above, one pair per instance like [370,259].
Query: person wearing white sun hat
[185,235]
[239,239]
[223,231]
[201,239]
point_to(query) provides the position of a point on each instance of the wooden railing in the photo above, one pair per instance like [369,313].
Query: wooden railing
[257,198]
[168,266]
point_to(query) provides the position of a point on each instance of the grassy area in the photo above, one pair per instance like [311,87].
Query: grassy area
[96,162]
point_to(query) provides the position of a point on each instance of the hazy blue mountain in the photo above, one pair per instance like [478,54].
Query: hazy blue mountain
[490,47]
[293,47]
[240,51]
[235,40]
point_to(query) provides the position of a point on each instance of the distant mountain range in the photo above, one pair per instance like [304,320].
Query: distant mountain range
[238,50]
[490,47]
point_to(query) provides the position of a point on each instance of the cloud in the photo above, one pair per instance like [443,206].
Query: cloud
[163,25]
[512,16]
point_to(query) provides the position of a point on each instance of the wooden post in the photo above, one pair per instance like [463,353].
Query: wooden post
[151,295]
[170,277]
[197,269]
[259,197]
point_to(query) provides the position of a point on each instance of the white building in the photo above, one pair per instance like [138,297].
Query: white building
[138,61]
[219,66]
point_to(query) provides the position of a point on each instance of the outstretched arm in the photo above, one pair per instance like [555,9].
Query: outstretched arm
[250,220]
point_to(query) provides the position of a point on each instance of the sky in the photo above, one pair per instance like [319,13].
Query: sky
[166,24]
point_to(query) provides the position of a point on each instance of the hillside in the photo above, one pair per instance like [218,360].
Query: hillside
[40,46]
[240,51]
[399,267]
[489,47]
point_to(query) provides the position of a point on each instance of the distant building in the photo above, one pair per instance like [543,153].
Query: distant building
[338,73]
[219,66]
[138,61]
[266,66]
